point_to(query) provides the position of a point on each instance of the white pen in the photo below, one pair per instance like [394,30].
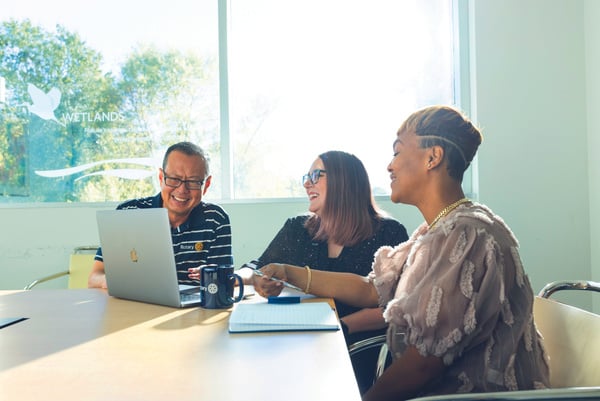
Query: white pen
[285,283]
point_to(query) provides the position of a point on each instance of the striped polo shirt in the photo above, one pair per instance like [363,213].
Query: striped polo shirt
[203,240]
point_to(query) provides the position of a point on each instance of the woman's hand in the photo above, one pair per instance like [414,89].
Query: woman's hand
[266,287]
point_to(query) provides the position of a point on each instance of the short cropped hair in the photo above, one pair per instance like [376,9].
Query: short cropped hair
[448,128]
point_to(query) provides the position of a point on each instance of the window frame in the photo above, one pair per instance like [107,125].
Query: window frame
[462,84]
[462,10]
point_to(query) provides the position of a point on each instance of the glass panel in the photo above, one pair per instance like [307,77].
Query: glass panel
[93,92]
[312,75]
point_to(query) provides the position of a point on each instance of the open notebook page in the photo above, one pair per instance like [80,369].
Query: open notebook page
[262,317]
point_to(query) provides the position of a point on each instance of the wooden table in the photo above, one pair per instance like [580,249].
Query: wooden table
[86,345]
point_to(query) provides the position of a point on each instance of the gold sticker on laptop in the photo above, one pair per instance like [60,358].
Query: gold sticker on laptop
[198,246]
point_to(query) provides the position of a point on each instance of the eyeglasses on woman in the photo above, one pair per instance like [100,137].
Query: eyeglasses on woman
[312,177]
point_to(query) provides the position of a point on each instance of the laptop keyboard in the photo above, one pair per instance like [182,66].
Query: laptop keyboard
[189,296]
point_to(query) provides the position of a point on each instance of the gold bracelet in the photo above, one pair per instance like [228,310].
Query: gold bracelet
[308,279]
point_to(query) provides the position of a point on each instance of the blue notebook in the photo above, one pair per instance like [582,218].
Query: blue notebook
[265,317]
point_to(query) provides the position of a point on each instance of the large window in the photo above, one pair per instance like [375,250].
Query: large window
[92,93]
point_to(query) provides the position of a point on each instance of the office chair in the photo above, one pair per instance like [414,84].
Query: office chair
[558,394]
[80,265]
[571,340]
[571,336]
[376,342]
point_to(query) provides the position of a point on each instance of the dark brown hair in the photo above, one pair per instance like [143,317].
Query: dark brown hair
[350,214]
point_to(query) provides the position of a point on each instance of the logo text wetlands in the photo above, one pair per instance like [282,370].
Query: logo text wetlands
[90,117]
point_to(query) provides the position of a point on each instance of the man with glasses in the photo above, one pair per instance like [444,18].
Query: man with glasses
[201,231]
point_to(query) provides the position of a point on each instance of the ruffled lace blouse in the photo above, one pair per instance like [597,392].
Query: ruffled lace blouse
[459,292]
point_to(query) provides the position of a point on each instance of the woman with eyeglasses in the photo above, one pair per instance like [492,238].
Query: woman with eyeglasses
[340,233]
[457,300]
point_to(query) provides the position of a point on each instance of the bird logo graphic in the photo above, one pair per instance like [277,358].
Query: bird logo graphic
[44,104]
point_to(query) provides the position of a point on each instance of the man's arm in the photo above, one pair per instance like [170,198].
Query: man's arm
[97,278]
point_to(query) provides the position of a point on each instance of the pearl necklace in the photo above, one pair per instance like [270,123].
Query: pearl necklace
[447,210]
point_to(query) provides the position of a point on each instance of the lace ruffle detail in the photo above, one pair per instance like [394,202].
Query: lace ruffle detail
[510,380]
[414,335]
[529,335]
[466,279]
[519,271]
[385,273]
[459,248]
[433,307]
[507,315]
[466,386]
[470,319]
[446,343]
[489,347]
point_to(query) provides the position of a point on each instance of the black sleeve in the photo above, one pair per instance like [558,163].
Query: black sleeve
[396,234]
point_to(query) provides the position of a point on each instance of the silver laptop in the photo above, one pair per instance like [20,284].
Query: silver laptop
[138,258]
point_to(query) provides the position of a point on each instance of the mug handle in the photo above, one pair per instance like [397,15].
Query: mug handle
[225,298]
[241,287]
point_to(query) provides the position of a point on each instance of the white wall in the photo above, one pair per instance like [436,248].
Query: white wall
[37,241]
[592,53]
[530,94]
[534,66]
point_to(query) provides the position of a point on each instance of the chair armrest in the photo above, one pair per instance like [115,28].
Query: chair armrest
[367,343]
[554,394]
[555,286]
[47,278]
